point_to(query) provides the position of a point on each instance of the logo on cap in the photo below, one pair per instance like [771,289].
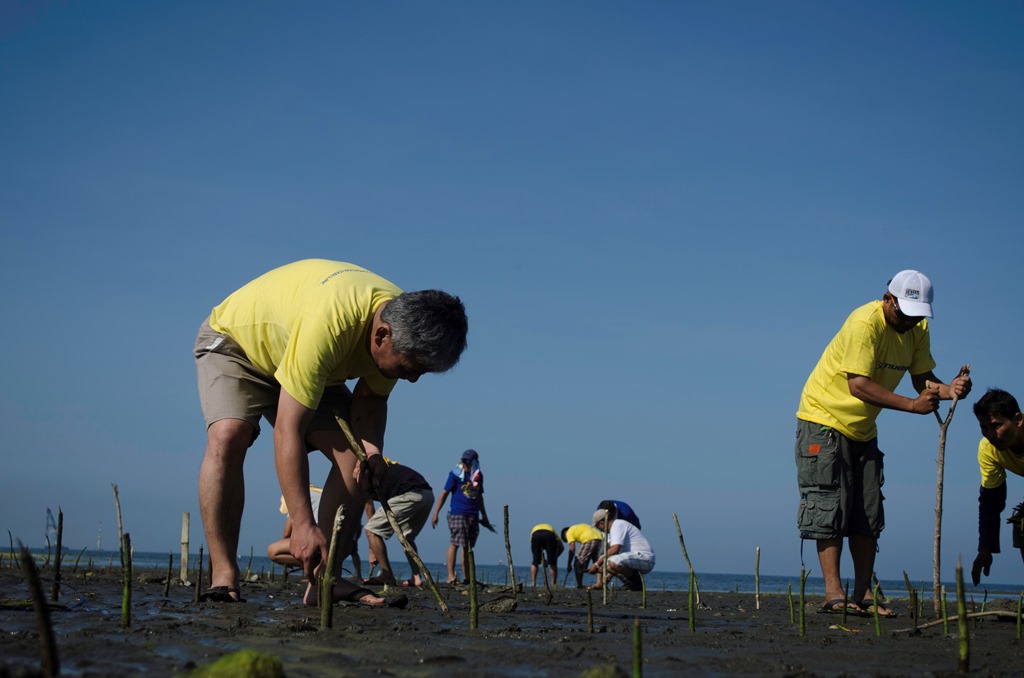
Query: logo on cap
[911,294]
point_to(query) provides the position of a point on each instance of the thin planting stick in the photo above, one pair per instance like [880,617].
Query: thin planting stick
[757,579]
[590,611]
[686,555]
[945,614]
[547,586]
[199,573]
[126,577]
[964,658]
[692,602]
[804,573]
[940,463]
[167,582]
[876,602]
[183,572]
[508,553]
[47,644]
[789,595]
[55,588]
[474,607]
[326,598]
[409,550]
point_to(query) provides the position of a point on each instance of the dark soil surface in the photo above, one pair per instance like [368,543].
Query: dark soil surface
[540,637]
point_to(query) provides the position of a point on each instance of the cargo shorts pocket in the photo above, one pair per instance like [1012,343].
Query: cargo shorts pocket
[818,516]
[817,458]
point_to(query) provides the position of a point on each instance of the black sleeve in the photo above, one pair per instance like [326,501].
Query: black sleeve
[991,503]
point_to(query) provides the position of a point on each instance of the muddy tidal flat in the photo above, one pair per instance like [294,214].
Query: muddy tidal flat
[544,635]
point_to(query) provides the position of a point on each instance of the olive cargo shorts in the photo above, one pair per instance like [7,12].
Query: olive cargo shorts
[840,483]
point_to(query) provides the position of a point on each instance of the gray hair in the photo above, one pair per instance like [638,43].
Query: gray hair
[429,325]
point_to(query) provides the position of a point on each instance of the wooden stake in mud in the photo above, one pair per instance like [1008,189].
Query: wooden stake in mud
[474,607]
[604,562]
[199,573]
[686,555]
[183,573]
[691,602]
[47,644]
[126,577]
[940,463]
[167,582]
[547,586]
[508,554]
[590,611]
[55,588]
[409,550]
[963,665]
[757,579]
[326,590]
[789,595]
[804,573]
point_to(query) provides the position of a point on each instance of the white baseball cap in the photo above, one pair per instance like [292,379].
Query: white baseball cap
[913,292]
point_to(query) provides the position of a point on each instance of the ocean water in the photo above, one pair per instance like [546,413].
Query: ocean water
[657,580]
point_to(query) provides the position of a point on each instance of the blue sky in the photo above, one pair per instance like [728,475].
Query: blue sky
[657,215]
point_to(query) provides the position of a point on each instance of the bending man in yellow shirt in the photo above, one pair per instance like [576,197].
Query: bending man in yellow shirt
[839,465]
[283,347]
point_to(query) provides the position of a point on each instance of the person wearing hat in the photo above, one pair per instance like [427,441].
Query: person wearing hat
[629,553]
[839,465]
[465,484]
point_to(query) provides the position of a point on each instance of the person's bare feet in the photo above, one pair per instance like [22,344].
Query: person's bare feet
[340,594]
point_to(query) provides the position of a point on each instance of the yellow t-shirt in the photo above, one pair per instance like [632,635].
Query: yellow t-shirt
[994,463]
[542,526]
[865,345]
[307,325]
[582,533]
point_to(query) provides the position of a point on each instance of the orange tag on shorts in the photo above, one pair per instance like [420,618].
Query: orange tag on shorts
[814,449]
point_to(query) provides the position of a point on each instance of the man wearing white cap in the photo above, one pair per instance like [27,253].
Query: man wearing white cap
[839,465]
[629,553]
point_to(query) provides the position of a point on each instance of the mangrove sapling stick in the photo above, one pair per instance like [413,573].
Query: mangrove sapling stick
[508,554]
[846,597]
[691,602]
[410,551]
[474,608]
[74,570]
[604,561]
[643,592]
[167,582]
[326,590]
[248,566]
[910,594]
[638,658]
[964,657]
[547,586]
[804,572]
[940,463]
[14,558]
[47,644]
[876,602]
[945,614]
[199,573]
[789,595]
[183,570]
[55,588]
[994,614]
[686,555]
[757,579]
[126,580]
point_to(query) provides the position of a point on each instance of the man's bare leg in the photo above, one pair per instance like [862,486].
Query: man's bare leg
[450,562]
[380,553]
[863,549]
[829,553]
[414,569]
[222,496]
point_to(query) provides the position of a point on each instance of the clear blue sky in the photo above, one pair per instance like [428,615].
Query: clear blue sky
[657,214]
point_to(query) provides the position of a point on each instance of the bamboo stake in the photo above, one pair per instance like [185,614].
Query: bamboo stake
[474,607]
[604,562]
[409,550]
[940,463]
[508,554]
[183,573]
[696,587]
[757,579]
[789,595]
[199,573]
[803,601]
[47,644]
[643,591]
[167,582]
[55,588]
[691,602]
[876,602]
[326,597]
[963,663]
[126,578]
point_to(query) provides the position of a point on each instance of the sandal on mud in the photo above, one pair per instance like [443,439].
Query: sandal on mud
[834,606]
[869,609]
[221,594]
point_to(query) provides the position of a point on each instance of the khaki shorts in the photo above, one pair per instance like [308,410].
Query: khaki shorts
[411,511]
[840,483]
[230,387]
